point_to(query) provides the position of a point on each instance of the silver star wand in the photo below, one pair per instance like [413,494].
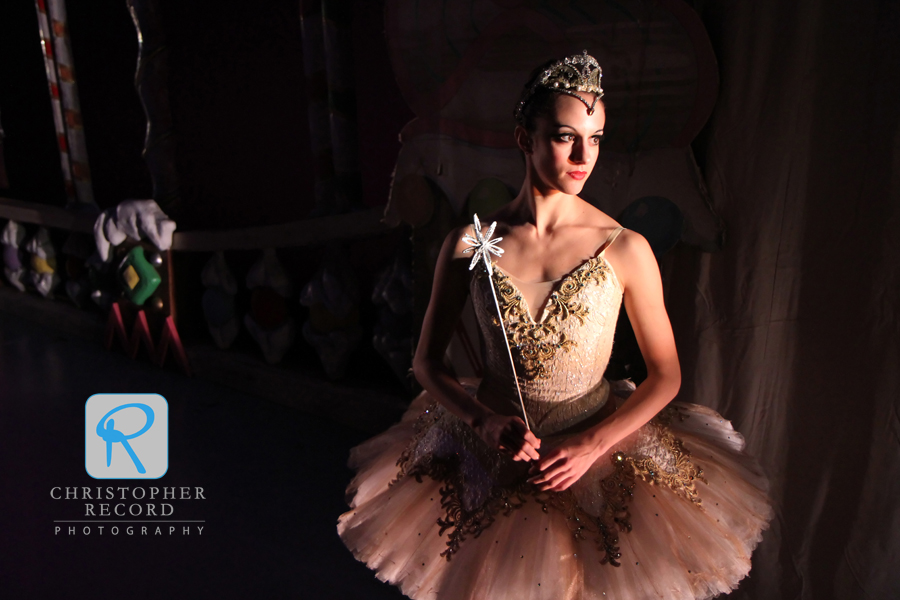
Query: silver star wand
[482,245]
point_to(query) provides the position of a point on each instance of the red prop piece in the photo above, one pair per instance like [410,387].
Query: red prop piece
[140,332]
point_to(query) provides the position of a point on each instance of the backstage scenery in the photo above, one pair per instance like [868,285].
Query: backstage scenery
[450,299]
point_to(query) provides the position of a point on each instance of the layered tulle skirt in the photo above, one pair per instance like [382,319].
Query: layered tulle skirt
[674,512]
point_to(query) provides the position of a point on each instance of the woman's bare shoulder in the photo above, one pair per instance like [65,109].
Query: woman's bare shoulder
[591,216]
[630,242]
[594,225]
[632,257]
[454,239]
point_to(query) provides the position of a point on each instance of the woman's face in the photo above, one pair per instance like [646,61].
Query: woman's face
[565,145]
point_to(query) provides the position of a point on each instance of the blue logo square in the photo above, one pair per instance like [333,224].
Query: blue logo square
[126,436]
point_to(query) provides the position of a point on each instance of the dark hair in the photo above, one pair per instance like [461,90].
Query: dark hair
[541,103]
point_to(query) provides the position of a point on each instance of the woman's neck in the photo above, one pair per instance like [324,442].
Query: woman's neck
[543,209]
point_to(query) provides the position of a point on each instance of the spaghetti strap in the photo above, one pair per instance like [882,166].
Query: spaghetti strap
[612,237]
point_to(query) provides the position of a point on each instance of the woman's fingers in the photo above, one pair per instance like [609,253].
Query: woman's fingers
[511,435]
[529,449]
[557,481]
[552,482]
[526,433]
[517,455]
[554,460]
[549,478]
[526,453]
[564,483]
[521,456]
[567,483]
[550,474]
[518,445]
[519,451]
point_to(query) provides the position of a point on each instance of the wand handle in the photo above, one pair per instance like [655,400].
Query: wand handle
[506,341]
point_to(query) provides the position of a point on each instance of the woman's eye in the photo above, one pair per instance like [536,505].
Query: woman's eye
[597,139]
[565,137]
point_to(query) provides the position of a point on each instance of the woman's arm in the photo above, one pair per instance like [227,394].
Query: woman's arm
[639,275]
[448,296]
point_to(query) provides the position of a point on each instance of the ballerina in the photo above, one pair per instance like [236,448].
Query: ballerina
[536,481]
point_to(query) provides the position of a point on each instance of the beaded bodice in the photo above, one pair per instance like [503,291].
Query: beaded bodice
[560,352]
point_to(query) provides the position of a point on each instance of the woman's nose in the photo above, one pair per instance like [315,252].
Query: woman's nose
[578,155]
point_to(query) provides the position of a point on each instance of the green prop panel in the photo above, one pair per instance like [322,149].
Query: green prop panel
[137,277]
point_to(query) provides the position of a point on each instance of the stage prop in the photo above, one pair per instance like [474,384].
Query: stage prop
[393,294]
[152,83]
[60,69]
[333,328]
[218,301]
[43,264]
[122,260]
[133,241]
[13,254]
[269,321]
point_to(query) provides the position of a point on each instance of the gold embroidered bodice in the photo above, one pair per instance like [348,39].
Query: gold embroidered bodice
[560,355]
[560,351]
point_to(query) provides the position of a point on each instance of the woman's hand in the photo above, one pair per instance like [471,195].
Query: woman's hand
[565,464]
[509,434]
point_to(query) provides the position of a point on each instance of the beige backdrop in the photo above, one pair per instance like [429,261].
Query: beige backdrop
[792,329]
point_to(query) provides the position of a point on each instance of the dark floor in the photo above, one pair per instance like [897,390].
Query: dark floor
[273,479]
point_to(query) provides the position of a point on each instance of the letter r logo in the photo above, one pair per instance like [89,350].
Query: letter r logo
[126,436]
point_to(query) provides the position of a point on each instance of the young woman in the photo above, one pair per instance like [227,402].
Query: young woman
[538,482]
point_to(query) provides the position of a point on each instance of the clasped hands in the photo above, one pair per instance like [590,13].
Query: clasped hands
[556,470]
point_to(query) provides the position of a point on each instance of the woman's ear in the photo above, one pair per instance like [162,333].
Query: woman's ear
[523,139]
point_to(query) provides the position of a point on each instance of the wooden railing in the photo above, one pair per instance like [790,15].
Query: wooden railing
[305,232]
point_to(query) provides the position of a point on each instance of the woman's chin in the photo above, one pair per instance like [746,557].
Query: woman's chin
[573,187]
[567,185]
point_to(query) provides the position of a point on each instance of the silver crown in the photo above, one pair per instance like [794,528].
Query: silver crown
[576,73]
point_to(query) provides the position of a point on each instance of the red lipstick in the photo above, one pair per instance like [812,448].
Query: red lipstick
[579,175]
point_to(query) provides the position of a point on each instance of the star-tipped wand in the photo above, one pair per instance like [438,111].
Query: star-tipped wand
[483,245]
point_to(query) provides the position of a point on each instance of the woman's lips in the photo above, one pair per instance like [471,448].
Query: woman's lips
[579,175]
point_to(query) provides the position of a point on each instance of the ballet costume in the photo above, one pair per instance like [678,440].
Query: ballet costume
[673,512]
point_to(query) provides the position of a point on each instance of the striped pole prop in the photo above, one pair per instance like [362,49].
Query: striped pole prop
[60,71]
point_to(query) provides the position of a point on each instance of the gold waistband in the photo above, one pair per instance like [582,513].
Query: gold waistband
[546,417]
